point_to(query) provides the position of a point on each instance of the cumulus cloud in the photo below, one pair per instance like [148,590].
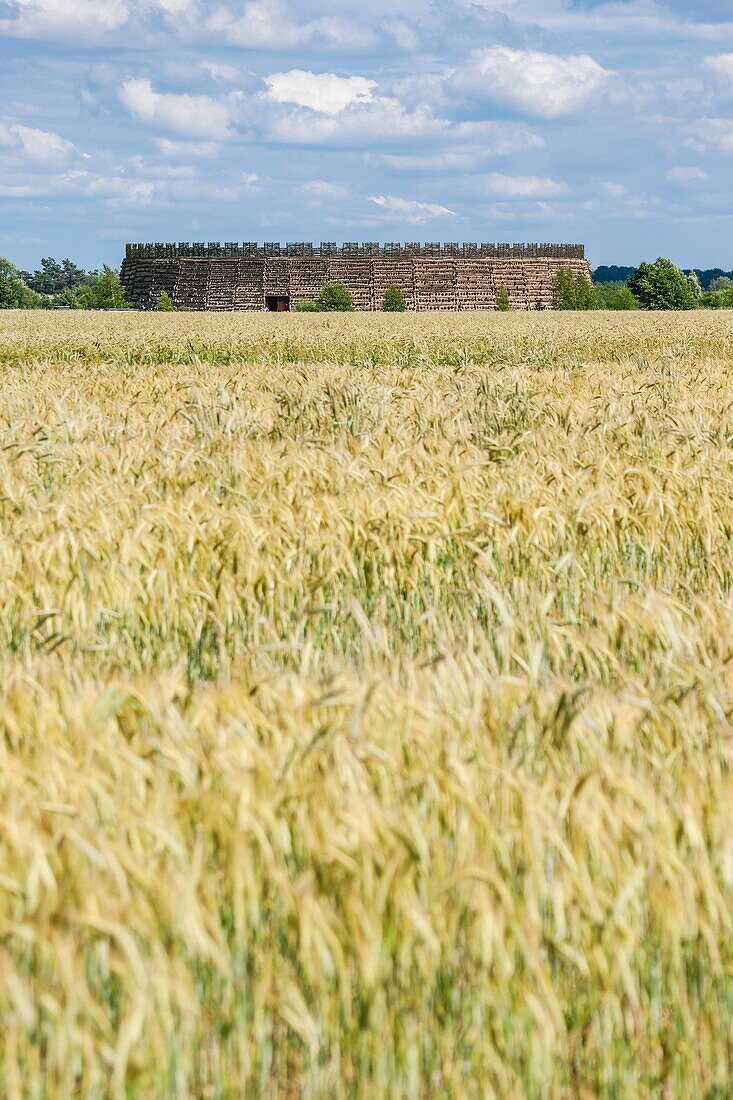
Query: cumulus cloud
[268,24]
[405,36]
[614,18]
[465,145]
[177,9]
[613,190]
[42,147]
[133,185]
[63,18]
[687,177]
[195,116]
[497,138]
[722,64]
[409,210]
[323,92]
[220,72]
[709,134]
[186,150]
[525,187]
[321,192]
[256,24]
[380,121]
[543,85]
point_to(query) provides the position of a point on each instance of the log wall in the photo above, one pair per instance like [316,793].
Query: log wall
[432,277]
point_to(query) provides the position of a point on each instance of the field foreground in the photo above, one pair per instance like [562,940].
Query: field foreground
[366,706]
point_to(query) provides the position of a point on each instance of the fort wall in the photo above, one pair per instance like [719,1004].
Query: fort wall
[431,277]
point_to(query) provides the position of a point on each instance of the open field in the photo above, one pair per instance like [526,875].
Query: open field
[366,706]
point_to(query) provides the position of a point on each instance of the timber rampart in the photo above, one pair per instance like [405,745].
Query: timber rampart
[254,277]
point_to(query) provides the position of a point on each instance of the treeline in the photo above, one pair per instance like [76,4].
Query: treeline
[612,273]
[661,285]
[60,286]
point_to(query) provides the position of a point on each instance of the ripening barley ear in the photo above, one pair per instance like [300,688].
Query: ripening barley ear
[365,678]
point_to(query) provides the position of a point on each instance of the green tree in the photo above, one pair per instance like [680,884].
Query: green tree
[335,298]
[615,296]
[693,283]
[164,303]
[306,306]
[394,300]
[502,299]
[103,290]
[14,294]
[573,291]
[53,277]
[662,285]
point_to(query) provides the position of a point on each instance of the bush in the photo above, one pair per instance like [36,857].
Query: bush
[720,298]
[615,296]
[573,291]
[67,299]
[394,300]
[164,303]
[306,306]
[335,298]
[502,299]
[103,290]
[662,285]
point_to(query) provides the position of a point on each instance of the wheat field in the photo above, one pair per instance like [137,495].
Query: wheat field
[366,706]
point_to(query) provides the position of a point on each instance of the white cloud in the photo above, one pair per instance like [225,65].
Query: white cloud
[710,133]
[446,161]
[467,145]
[687,177]
[408,210]
[497,138]
[721,64]
[133,185]
[323,92]
[43,147]
[613,18]
[379,122]
[221,73]
[268,24]
[52,18]
[614,191]
[195,116]
[405,36]
[205,150]
[525,187]
[322,193]
[177,9]
[540,84]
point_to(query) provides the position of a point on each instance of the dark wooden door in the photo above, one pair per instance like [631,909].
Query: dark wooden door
[277,303]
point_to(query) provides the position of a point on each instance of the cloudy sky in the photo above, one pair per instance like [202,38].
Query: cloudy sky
[603,121]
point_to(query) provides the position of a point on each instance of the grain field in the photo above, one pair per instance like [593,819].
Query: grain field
[366,706]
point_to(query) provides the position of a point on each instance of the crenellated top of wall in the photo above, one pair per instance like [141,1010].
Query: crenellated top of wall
[252,250]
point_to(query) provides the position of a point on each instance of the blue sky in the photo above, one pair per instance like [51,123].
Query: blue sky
[604,122]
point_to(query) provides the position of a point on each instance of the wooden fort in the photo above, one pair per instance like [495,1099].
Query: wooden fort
[275,277]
